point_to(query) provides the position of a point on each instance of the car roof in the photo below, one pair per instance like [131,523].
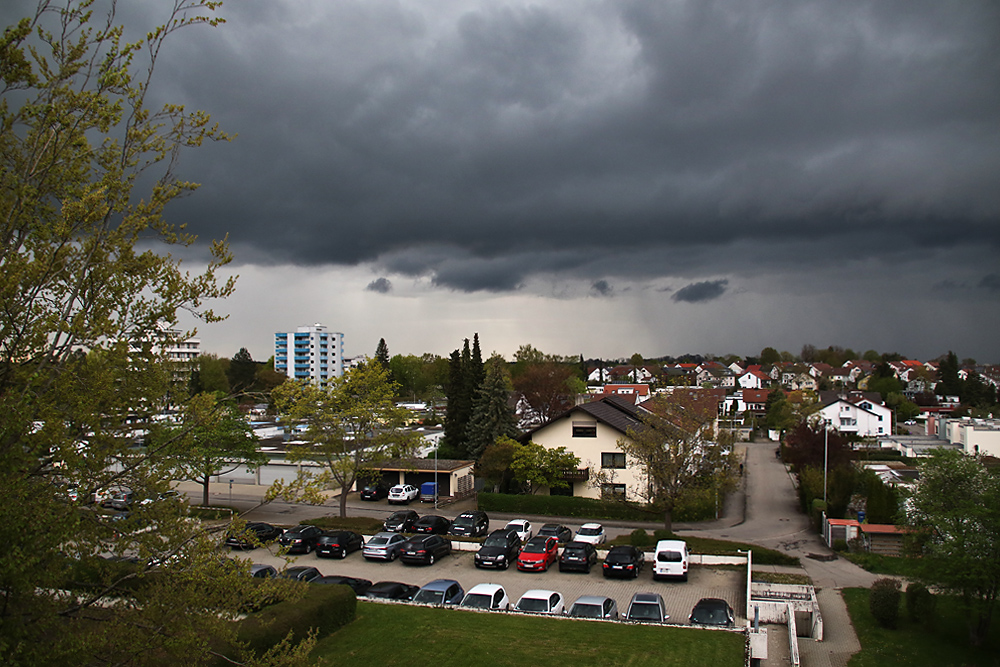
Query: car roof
[486,589]
[519,522]
[591,525]
[540,539]
[670,544]
[576,544]
[552,526]
[591,599]
[538,594]
[712,602]
[438,585]
[647,597]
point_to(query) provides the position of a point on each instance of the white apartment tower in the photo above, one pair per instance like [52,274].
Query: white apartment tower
[310,353]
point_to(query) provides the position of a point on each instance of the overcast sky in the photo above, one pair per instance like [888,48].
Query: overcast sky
[601,178]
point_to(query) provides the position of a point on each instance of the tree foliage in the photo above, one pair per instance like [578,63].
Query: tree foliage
[242,372]
[351,427]
[547,388]
[492,416]
[534,466]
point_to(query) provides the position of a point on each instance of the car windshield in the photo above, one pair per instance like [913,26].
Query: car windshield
[586,610]
[618,557]
[575,551]
[644,611]
[549,530]
[495,541]
[533,604]
[477,600]
[463,521]
[534,547]
[375,541]
[398,516]
[589,531]
[429,597]
[669,556]
[710,616]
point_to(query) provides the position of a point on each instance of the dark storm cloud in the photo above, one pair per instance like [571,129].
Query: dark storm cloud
[381,285]
[481,144]
[990,282]
[703,291]
[601,288]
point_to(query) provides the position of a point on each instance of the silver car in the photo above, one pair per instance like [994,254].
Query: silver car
[594,606]
[383,546]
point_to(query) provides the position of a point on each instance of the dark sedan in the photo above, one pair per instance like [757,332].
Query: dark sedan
[433,524]
[300,573]
[301,539]
[252,536]
[624,561]
[558,531]
[578,557]
[499,550]
[712,611]
[424,549]
[374,492]
[392,590]
[338,544]
[400,521]
[359,586]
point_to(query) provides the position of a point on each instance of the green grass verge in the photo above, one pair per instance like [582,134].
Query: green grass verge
[894,565]
[402,635]
[943,643]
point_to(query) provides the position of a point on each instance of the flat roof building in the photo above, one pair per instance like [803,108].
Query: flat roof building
[310,353]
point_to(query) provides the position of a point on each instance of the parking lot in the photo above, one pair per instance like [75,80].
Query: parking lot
[726,583]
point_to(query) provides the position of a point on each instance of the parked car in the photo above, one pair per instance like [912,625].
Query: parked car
[578,557]
[487,596]
[338,544]
[301,539]
[424,549]
[522,527]
[359,586]
[431,523]
[647,608]
[624,561]
[540,552]
[474,523]
[712,611]
[374,491]
[400,521]
[261,571]
[392,590]
[166,495]
[428,492]
[671,560]
[383,546]
[253,535]
[403,494]
[591,532]
[440,591]
[121,500]
[541,602]
[300,573]
[558,531]
[499,550]
[594,606]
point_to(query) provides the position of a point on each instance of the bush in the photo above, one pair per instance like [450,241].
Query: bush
[883,601]
[921,604]
[359,524]
[640,538]
[325,608]
[840,545]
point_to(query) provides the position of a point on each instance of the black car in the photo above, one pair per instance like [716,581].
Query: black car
[400,521]
[360,586]
[338,544]
[558,531]
[374,491]
[578,557]
[301,539]
[470,524]
[392,590]
[431,523]
[300,573]
[712,611]
[424,549]
[499,550]
[252,536]
[624,561]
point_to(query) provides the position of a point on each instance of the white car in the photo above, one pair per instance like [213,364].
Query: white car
[592,533]
[403,493]
[540,601]
[522,527]
[487,596]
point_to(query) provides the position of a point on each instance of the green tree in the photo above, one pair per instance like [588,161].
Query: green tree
[493,467]
[678,449]
[956,506]
[547,388]
[88,171]
[534,467]
[352,427]
[950,383]
[242,371]
[382,353]
[212,439]
[210,374]
[492,417]
[769,356]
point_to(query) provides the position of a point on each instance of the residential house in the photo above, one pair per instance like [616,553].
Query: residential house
[637,393]
[855,413]
[753,379]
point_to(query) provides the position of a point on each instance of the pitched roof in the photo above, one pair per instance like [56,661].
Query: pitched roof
[618,412]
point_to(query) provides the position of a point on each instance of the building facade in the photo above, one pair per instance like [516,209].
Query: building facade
[310,353]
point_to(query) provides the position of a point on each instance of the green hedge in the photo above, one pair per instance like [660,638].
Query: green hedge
[359,524]
[326,608]
[697,506]
[707,546]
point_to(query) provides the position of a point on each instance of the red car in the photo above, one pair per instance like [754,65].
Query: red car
[538,554]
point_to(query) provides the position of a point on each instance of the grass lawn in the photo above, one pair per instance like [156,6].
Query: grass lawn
[404,635]
[944,643]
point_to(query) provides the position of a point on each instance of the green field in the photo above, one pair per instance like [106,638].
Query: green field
[410,635]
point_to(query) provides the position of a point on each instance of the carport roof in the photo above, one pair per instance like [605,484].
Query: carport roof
[425,465]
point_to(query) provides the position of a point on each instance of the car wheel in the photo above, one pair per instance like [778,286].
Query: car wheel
[392,556]
[430,559]
[343,554]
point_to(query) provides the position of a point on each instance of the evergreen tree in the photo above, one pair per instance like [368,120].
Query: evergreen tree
[241,372]
[456,417]
[950,384]
[382,354]
[492,416]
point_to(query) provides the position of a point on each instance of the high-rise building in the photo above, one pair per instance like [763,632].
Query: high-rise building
[310,353]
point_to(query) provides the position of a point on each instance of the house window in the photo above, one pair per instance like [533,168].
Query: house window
[613,460]
[584,429]
[613,490]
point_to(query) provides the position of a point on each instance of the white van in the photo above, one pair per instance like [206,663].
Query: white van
[671,560]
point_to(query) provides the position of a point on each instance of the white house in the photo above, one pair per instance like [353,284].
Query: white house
[863,418]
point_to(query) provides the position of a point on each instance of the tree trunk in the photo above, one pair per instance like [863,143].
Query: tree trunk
[343,503]
[668,519]
[204,490]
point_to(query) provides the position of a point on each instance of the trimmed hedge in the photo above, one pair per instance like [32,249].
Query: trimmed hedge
[359,524]
[326,608]
[697,506]
[883,602]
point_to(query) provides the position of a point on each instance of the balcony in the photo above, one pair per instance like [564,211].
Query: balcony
[575,475]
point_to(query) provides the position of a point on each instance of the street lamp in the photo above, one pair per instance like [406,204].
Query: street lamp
[436,477]
[826,458]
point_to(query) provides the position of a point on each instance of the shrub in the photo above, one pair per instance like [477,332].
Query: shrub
[359,524]
[325,608]
[921,604]
[883,601]
[840,545]
[640,538]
